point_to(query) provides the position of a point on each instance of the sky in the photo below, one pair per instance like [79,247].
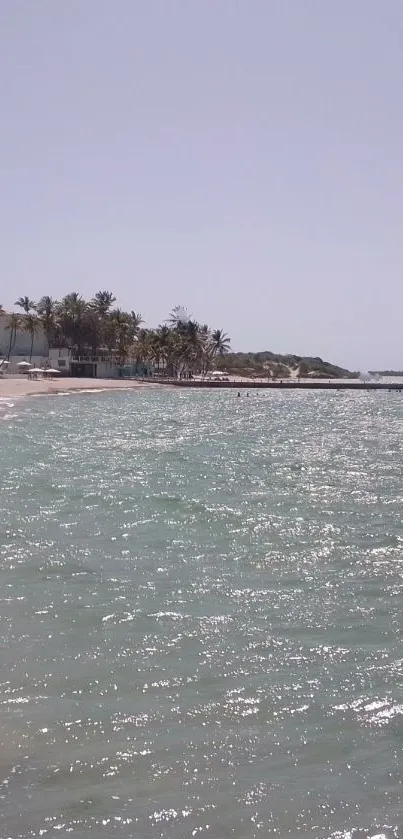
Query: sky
[242,158]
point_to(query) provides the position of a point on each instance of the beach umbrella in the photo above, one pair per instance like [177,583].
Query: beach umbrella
[24,364]
[3,362]
[36,370]
[50,370]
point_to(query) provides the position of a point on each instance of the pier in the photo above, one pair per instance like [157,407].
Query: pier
[283,384]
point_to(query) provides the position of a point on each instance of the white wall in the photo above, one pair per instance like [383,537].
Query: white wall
[36,361]
[22,344]
[59,358]
[50,359]
[106,370]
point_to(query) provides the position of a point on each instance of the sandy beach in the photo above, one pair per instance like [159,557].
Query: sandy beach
[17,386]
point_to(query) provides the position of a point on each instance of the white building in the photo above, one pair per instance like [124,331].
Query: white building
[86,367]
[17,348]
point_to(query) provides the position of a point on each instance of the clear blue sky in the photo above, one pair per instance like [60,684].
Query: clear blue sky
[243,158]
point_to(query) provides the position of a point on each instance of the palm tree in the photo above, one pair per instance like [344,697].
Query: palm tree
[92,330]
[72,319]
[109,332]
[118,333]
[25,303]
[160,340]
[137,320]
[102,302]
[13,324]
[189,354]
[178,354]
[46,305]
[206,352]
[221,342]
[144,349]
[31,325]
[159,345]
[124,340]
[98,319]
[46,309]
[193,346]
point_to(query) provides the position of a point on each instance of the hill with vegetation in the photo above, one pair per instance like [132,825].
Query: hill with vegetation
[276,366]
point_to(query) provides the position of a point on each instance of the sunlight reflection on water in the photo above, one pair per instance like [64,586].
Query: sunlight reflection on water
[200,615]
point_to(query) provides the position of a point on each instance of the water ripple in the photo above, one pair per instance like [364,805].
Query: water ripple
[200,617]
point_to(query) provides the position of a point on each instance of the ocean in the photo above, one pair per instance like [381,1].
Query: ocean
[201,615]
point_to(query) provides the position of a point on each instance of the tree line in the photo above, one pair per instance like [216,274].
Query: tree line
[181,345]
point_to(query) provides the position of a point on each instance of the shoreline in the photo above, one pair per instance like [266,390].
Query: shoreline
[20,386]
[15,387]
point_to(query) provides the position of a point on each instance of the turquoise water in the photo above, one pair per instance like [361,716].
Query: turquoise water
[201,615]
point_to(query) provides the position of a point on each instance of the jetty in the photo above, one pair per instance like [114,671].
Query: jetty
[283,384]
